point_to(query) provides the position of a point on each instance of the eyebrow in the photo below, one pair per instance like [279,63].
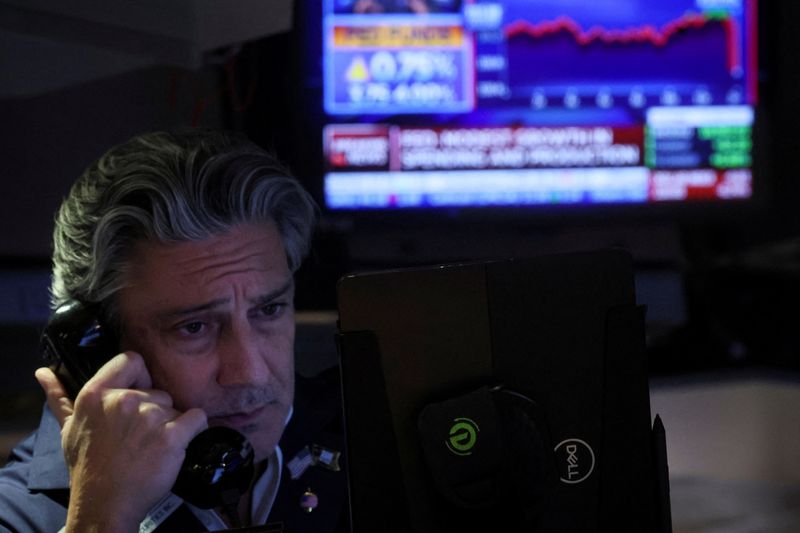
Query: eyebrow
[213,304]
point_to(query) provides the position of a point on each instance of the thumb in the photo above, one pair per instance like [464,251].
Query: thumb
[57,399]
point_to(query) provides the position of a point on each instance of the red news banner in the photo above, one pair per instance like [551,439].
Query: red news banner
[380,147]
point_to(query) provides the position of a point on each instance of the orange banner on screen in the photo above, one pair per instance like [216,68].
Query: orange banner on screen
[397,36]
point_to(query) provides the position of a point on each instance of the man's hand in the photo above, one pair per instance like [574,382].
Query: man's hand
[123,443]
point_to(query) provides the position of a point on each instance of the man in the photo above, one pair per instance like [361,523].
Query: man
[187,244]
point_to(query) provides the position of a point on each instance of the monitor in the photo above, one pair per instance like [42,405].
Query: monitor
[477,104]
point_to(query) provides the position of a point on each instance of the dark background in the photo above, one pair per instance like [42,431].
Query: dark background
[721,285]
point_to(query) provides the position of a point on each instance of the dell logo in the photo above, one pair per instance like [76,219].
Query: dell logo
[463,436]
[575,460]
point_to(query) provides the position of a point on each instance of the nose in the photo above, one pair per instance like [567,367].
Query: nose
[241,361]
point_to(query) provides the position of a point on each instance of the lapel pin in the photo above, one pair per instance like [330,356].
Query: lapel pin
[326,457]
[309,501]
[300,463]
[315,455]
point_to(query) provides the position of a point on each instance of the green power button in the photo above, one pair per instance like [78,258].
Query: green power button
[463,436]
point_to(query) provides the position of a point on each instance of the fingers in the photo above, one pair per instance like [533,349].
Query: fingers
[124,371]
[187,425]
[125,381]
[57,399]
[122,390]
[151,413]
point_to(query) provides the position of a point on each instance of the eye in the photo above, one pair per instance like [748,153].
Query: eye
[273,310]
[192,328]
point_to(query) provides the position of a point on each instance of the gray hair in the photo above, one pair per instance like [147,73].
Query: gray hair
[169,187]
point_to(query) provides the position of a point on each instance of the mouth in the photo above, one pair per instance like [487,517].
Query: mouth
[238,420]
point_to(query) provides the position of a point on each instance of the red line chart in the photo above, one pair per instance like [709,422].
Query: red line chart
[643,34]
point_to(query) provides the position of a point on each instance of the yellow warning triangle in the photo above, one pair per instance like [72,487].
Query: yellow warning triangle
[357,71]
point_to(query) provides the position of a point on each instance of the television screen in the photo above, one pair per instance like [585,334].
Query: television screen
[461,104]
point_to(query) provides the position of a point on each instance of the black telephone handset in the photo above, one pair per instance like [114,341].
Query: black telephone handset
[219,465]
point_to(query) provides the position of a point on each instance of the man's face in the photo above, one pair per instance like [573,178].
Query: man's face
[214,321]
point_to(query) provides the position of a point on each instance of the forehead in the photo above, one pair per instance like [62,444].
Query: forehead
[250,255]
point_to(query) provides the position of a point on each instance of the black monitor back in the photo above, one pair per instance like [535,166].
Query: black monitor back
[562,332]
